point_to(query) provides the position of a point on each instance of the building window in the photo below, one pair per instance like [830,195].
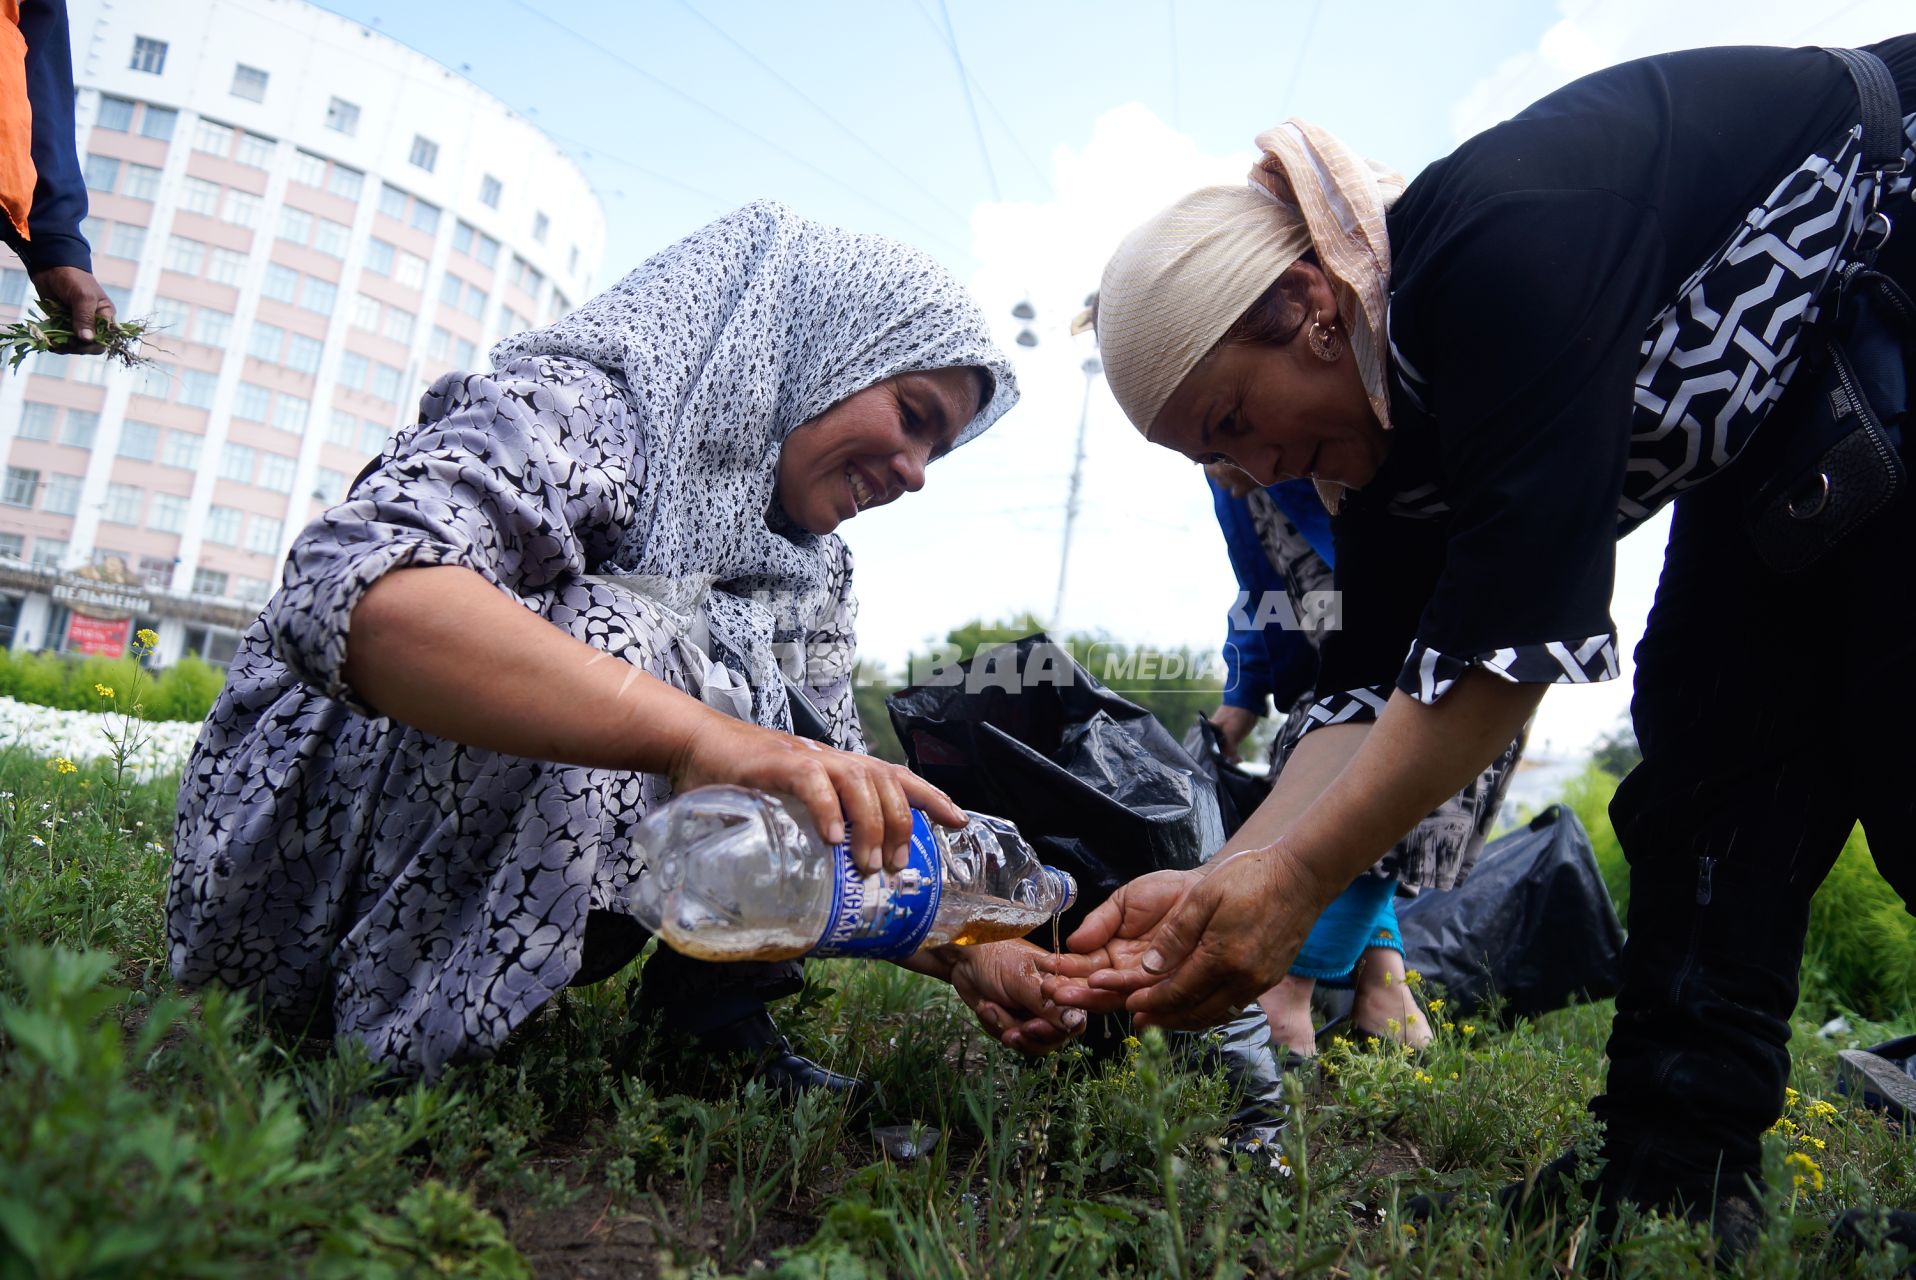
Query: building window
[102,173]
[342,117]
[158,122]
[540,226]
[366,313]
[37,420]
[411,270]
[226,266]
[197,195]
[142,182]
[489,191]
[345,430]
[281,283]
[387,382]
[62,495]
[13,546]
[353,369]
[392,201]
[572,261]
[319,296]
[379,257]
[242,208]
[449,289]
[475,301]
[115,114]
[256,152]
[127,241]
[252,402]
[139,441]
[197,388]
[149,55]
[212,327]
[265,341]
[329,486]
[150,380]
[276,472]
[210,582]
[309,170]
[13,288]
[295,225]
[290,412]
[488,254]
[331,237]
[223,527]
[20,486]
[249,83]
[262,535]
[182,450]
[122,504]
[398,325]
[345,183]
[167,514]
[425,216]
[464,354]
[213,138]
[462,233]
[303,354]
[372,439]
[236,463]
[439,344]
[425,153]
[79,428]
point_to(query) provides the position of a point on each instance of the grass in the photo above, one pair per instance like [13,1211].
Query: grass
[146,1132]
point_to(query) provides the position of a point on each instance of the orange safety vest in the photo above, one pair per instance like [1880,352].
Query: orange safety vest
[17,174]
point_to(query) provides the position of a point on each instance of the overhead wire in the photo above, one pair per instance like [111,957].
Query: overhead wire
[739,125]
[822,110]
[1303,48]
[971,103]
[944,32]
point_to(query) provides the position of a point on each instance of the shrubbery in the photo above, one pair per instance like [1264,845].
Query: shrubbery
[183,691]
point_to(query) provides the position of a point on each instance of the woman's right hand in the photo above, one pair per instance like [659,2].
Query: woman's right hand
[840,789]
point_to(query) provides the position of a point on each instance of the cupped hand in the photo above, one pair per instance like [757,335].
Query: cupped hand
[1001,983]
[1114,940]
[871,798]
[84,302]
[1198,959]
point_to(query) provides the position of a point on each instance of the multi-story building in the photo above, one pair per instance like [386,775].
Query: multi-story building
[321,220]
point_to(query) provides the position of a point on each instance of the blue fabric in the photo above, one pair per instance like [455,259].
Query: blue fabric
[1268,663]
[1363,916]
[59,192]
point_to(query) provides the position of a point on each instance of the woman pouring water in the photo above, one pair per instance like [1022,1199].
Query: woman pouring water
[582,581]
[1572,320]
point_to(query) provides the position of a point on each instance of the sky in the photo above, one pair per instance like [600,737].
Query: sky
[1017,142]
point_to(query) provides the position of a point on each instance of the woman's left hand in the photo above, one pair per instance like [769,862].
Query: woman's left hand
[1000,982]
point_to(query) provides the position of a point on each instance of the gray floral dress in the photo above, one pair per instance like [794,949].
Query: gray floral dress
[420,895]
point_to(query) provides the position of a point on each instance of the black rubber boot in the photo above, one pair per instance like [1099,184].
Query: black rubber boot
[754,1041]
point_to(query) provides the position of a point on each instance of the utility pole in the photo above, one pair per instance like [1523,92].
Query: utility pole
[1091,368]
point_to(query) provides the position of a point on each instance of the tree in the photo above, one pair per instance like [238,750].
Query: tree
[1617,752]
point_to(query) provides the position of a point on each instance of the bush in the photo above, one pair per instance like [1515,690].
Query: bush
[183,691]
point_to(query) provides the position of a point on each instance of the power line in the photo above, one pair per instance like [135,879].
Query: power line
[746,129]
[971,87]
[971,105]
[1177,109]
[1303,47]
[817,106]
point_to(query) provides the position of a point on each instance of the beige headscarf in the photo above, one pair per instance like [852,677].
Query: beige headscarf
[1177,284]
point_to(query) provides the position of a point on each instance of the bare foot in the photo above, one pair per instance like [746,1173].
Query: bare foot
[1384,1002]
[1287,1006]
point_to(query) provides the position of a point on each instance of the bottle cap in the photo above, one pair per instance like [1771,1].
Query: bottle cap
[1070,887]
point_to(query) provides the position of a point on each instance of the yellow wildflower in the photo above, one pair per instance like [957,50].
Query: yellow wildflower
[1803,1170]
[148,638]
[1790,1096]
[1453,1075]
[104,690]
[1389,978]
[1131,1042]
[1470,1028]
[1450,1026]
[60,764]
[1422,1078]
[1821,1110]
[1410,1229]
[1436,1006]
[1818,1143]
[1412,977]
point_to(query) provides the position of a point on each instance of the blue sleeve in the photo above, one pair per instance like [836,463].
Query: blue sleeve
[1260,664]
[1299,502]
[59,195]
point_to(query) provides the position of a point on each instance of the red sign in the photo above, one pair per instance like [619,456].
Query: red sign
[97,637]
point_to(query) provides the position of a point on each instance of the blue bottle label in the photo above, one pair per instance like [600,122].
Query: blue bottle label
[885,916]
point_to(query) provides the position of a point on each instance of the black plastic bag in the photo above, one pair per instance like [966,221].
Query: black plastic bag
[1094,782]
[1533,925]
[1239,791]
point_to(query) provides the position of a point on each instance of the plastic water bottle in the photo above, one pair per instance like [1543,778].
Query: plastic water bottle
[736,874]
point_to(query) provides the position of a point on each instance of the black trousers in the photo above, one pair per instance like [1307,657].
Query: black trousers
[1774,712]
[687,995]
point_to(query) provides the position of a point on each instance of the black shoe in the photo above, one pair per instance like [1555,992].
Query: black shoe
[1858,1232]
[755,1043]
[1241,1050]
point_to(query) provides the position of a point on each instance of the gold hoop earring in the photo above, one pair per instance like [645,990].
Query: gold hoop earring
[1325,344]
